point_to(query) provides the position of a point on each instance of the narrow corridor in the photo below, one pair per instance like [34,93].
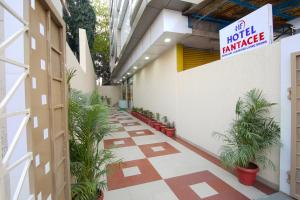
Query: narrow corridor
[156,167]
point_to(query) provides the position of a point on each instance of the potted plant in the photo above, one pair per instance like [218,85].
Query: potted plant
[252,133]
[157,124]
[164,125]
[170,129]
[151,121]
[88,124]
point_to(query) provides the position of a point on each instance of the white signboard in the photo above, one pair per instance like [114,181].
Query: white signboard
[250,32]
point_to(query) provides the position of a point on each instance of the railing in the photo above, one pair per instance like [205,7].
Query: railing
[27,158]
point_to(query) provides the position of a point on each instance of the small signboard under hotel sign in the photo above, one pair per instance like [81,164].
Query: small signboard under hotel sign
[250,32]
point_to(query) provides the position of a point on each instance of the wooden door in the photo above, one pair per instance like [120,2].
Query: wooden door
[295,98]
[47,96]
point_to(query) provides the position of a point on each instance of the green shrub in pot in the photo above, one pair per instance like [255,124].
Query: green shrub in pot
[252,134]
[88,124]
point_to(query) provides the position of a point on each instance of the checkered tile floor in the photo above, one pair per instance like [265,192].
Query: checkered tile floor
[155,167]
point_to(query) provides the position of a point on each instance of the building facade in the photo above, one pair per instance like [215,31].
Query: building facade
[165,55]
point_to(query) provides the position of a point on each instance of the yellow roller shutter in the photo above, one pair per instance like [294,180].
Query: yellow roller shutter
[195,57]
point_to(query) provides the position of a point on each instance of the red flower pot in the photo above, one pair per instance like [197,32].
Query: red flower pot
[147,120]
[170,132]
[247,176]
[157,126]
[151,122]
[163,128]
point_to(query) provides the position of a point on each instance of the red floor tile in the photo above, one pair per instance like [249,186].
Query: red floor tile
[131,124]
[120,142]
[181,187]
[140,133]
[157,149]
[116,178]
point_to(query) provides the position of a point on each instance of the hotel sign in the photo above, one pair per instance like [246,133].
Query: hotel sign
[252,31]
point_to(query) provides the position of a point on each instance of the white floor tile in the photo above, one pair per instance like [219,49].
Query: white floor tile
[203,190]
[128,153]
[117,135]
[134,128]
[148,139]
[119,142]
[156,190]
[155,149]
[131,171]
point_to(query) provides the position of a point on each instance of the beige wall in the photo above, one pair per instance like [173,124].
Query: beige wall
[113,92]
[202,100]
[154,87]
[85,79]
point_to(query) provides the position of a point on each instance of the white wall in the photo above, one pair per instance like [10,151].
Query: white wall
[85,79]
[113,92]
[288,46]
[154,87]
[202,100]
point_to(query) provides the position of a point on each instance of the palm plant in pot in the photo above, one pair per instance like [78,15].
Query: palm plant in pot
[251,135]
[88,124]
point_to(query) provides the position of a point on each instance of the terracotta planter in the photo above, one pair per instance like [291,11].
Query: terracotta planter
[163,129]
[247,176]
[151,122]
[170,132]
[157,126]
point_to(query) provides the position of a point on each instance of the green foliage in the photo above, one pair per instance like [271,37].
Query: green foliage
[157,116]
[253,132]
[171,125]
[81,15]
[88,124]
[165,120]
[101,46]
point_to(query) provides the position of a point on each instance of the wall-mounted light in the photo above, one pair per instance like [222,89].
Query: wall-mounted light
[128,73]
[135,67]
[147,58]
[167,40]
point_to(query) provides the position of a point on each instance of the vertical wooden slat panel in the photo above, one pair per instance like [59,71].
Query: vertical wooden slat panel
[40,115]
[52,175]
[295,94]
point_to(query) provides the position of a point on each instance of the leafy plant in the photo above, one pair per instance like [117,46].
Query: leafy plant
[253,132]
[157,116]
[165,120]
[70,73]
[170,125]
[81,15]
[88,124]
[101,49]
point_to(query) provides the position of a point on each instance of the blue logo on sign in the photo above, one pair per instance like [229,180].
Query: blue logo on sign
[240,25]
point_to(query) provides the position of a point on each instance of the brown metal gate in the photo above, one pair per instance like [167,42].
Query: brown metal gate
[295,97]
[47,99]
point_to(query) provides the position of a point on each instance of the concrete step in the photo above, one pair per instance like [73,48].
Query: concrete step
[277,196]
